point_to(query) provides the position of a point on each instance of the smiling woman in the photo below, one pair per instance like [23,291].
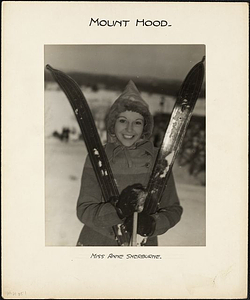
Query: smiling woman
[129,127]
[131,156]
[130,109]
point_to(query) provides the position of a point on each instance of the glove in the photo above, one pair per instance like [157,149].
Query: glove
[146,224]
[131,199]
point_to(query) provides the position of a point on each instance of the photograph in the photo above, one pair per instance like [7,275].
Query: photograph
[131,91]
[124,150]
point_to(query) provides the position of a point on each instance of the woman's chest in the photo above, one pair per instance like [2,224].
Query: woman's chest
[129,164]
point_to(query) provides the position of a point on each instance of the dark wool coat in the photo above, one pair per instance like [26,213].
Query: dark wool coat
[129,166]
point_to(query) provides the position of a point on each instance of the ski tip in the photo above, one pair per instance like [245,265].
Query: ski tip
[49,67]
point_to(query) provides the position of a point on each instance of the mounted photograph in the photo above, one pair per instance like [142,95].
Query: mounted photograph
[125,145]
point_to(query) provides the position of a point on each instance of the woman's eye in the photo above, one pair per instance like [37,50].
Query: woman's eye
[138,123]
[122,120]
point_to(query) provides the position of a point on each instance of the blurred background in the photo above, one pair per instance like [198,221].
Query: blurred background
[102,72]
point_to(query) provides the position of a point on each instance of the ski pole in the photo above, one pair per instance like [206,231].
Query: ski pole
[134,234]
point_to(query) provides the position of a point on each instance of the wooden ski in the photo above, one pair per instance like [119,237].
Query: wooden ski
[174,135]
[93,143]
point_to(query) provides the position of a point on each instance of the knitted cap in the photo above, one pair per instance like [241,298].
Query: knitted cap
[130,100]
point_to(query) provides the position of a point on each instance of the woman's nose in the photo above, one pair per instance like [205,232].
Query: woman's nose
[129,127]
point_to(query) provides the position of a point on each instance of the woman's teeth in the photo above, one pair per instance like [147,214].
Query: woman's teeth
[128,136]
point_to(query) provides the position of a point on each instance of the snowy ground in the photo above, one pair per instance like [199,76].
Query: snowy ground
[64,163]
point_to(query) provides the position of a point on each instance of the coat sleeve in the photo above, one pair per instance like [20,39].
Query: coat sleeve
[91,210]
[170,211]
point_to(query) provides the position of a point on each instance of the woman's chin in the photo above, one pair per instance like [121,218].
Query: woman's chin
[128,142]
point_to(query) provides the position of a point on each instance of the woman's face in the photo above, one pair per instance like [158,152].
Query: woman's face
[129,127]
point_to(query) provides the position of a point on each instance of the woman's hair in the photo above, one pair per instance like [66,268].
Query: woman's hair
[130,100]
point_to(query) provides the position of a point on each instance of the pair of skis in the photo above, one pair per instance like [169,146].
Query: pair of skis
[170,146]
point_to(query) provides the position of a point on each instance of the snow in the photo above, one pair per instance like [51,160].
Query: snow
[63,170]
[96,152]
[168,158]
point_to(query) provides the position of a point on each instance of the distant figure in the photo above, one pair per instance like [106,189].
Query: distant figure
[65,134]
[57,135]
[73,135]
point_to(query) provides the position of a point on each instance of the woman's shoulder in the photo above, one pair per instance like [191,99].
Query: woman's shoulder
[155,151]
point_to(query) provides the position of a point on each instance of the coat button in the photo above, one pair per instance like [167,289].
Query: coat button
[147,165]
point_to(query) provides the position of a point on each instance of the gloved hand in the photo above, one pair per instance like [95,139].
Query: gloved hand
[146,224]
[131,199]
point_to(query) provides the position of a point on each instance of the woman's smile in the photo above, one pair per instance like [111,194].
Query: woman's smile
[129,127]
[128,136]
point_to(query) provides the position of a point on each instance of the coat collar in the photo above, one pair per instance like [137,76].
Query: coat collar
[113,149]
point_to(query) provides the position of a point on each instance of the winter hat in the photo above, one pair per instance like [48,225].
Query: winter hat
[130,100]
